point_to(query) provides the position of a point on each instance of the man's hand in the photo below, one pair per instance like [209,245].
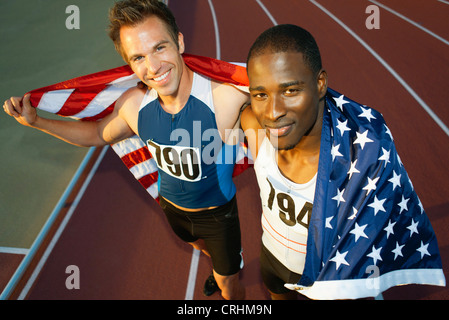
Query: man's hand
[21,109]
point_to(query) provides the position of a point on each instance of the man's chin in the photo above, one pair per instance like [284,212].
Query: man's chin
[281,146]
[285,148]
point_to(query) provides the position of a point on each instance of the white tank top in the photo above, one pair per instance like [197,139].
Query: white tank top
[287,207]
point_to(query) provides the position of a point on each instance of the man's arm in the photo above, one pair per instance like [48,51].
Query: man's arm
[253,131]
[228,102]
[110,129]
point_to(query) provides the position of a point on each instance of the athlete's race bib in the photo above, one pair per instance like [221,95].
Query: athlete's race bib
[180,162]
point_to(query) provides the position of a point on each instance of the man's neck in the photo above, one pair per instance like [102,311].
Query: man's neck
[175,103]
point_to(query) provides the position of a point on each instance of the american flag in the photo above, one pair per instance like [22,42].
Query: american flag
[92,97]
[368,230]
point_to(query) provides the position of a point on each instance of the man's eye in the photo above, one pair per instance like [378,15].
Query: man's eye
[259,95]
[290,92]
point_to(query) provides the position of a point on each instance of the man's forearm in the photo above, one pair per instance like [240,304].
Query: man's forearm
[79,133]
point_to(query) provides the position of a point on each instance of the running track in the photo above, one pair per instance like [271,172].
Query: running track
[118,236]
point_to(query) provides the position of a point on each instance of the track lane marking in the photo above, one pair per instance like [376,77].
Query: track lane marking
[267,12]
[420,101]
[217,31]
[14,250]
[192,274]
[411,21]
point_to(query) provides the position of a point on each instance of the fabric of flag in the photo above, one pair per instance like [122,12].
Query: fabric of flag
[368,230]
[92,97]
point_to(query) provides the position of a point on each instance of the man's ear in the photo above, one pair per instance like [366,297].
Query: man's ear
[322,83]
[181,43]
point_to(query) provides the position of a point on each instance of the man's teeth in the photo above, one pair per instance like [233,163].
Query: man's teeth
[162,77]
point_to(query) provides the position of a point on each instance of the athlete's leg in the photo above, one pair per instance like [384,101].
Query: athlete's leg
[275,275]
[231,287]
[222,240]
[292,295]
[201,246]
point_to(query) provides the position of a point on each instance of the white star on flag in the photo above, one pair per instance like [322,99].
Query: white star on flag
[358,231]
[398,250]
[389,228]
[328,222]
[371,185]
[362,138]
[339,259]
[340,101]
[396,180]
[375,254]
[366,113]
[423,250]
[385,156]
[387,131]
[335,152]
[413,227]
[342,126]
[339,197]
[403,204]
[377,205]
[353,169]
[354,214]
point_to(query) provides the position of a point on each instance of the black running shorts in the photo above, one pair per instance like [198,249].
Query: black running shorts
[219,228]
[275,274]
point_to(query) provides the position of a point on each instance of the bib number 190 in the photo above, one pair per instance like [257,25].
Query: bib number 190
[180,162]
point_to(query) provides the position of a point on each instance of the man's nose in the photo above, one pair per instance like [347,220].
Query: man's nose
[153,65]
[275,109]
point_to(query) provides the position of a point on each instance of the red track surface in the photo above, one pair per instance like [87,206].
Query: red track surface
[118,236]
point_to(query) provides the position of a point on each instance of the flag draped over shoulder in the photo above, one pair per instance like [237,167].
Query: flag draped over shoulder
[368,230]
[92,97]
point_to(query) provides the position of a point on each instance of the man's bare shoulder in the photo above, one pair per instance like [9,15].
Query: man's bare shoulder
[131,98]
[228,99]
[240,91]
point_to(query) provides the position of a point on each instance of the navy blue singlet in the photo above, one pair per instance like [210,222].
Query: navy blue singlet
[194,165]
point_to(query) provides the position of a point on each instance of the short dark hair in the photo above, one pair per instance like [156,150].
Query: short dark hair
[288,37]
[133,12]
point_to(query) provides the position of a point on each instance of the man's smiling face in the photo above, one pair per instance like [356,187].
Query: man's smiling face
[153,55]
[285,96]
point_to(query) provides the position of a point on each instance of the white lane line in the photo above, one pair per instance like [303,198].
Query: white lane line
[389,68]
[61,228]
[410,21]
[267,12]
[217,32]
[14,250]
[192,274]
